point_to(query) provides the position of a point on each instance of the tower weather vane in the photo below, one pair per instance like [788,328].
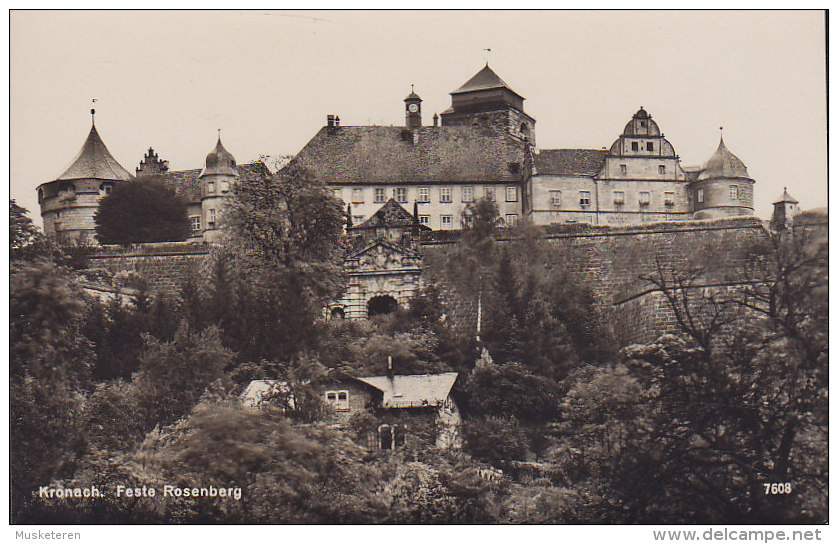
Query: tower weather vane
[93,111]
[486,56]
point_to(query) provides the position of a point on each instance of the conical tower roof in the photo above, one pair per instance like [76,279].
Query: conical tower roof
[723,164]
[95,161]
[483,80]
[786,197]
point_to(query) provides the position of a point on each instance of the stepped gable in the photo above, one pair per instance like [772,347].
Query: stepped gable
[377,155]
[569,162]
[94,161]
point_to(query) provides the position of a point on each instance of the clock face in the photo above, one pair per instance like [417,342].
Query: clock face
[413,108]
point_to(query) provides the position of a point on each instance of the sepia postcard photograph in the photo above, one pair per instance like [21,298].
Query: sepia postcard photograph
[419,267]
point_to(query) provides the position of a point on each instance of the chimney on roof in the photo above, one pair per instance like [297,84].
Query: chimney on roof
[337,120]
[330,120]
[436,120]
[390,366]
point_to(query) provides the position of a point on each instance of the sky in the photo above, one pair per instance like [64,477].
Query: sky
[170,80]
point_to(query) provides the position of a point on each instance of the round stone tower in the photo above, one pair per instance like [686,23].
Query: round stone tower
[723,187]
[69,202]
[216,179]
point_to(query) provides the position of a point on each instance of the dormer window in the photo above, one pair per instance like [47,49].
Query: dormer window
[643,124]
[650,146]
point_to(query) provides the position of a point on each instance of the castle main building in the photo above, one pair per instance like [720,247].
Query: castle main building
[482,146]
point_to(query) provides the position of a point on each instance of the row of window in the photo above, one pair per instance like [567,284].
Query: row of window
[635,146]
[446,221]
[224,186]
[733,193]
[195,221]
[661,169]
[618,198]
[424,194]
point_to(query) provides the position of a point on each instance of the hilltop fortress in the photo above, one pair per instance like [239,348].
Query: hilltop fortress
[611,211]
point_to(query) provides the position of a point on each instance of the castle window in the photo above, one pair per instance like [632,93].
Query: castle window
[445,194]
[645,198]
[556,198]
[511,219]
[734,192]
[623,169]
[211,220]
[424,220]
[642,123]
[669,198]
[357,195]
[210,187]
[401,194]
[490,194]
[700,195]
[619,198]
[650,146]
[512,194]
[468,194]
[635,146]
[446,221]
[378,194]
[661,169]
[424,194]
[225,186]
[339,400]
[584,198]
[195,222]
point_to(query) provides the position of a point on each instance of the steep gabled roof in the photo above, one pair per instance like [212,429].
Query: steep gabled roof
[391,246]
[374,155]
[415,391]
[94,161]
[391,214]
[786,197]
[569,162]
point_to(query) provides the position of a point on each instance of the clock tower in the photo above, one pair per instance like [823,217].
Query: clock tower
[413,111]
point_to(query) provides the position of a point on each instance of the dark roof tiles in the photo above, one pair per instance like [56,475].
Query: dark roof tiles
[377,154]
[569,162]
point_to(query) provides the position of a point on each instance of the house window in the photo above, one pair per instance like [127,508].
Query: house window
[210,187]
[468,194]
[700,195]
[337,192]
[211,220]
[650,146]
[424,194]
[445,194]
[357,219]
[623,169]
[669,198]
[619,198]
[635,146]
[490,194]
[661,169]
[379,194]
[511,219]
[645,198]
[584,198]
[468,220]
[401,194]
[556,199]
[512,194]
[390,437]
[357,196]
[195,222]
[425,220]
[339,400]
[446,221]
[734,192]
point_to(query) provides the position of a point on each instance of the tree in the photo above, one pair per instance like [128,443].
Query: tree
[141,210]
[288,246]
[22,232]
[49,366]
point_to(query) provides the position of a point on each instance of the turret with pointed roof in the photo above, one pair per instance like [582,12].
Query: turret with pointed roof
[723,187]
[68,203]
[216,179]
